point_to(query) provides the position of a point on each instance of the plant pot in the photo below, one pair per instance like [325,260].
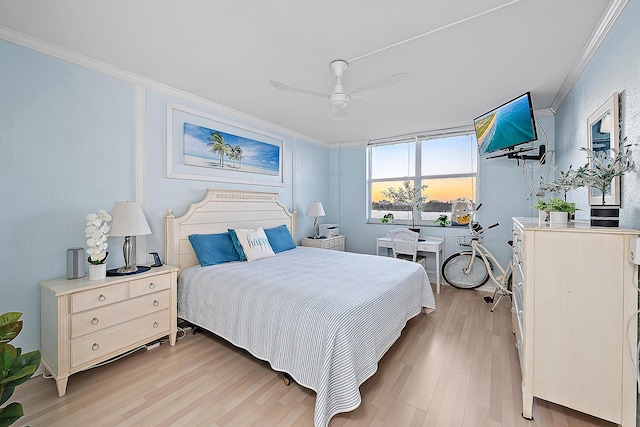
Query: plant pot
[97,272]
[605,216]
[558,219]
[543,217]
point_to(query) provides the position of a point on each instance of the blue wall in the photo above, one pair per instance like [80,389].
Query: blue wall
[614,68]
[68,142]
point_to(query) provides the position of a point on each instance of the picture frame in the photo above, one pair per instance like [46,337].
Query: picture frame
[205,147]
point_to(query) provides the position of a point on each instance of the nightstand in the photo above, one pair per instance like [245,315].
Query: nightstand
[85,322]
[335,243]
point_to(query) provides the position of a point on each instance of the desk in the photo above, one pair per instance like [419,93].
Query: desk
[426,244]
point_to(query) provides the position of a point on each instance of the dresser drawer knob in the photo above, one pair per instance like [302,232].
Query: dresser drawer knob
[95,347]
[152,285]
[155,324]
[155,303]
[101,298]
[94,321]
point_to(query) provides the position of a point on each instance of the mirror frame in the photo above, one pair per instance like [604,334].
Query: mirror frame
[594,126]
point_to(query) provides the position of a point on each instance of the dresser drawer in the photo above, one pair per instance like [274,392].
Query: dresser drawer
[100,318]
[111,340]
[98,297]
[149,285]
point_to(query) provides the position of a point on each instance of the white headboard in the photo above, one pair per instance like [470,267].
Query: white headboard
[217,212]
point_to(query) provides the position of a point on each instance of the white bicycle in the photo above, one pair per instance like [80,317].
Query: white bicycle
[473,267]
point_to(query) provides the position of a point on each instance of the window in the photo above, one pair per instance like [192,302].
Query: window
[446,164]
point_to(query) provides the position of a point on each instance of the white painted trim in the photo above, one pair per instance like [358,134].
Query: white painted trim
[604,26]
[102,67]
[140,143]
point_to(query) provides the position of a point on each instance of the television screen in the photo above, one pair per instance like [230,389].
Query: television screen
[508,125]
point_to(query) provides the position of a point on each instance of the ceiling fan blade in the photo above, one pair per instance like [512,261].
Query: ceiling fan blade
[286,88]
[340,113]
[390,81]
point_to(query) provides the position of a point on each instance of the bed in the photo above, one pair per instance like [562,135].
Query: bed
[323,317]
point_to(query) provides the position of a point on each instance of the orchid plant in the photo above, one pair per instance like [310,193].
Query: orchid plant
[97,230]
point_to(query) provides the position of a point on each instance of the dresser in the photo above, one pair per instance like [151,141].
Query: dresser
[335,243]
[85,322]
[574,317]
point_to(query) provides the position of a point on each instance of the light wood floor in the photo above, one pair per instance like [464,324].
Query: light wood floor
[457,366]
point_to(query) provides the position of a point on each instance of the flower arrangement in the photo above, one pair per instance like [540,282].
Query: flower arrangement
[97,230]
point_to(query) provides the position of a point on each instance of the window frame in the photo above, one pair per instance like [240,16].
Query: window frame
[418,176]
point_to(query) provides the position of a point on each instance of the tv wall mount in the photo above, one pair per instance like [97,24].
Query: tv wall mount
[519,154]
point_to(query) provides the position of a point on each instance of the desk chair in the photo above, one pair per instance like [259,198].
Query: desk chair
[405,246]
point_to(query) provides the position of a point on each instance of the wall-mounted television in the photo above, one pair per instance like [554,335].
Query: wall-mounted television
[506,126]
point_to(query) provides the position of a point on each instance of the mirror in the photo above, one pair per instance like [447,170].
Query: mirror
[603,133]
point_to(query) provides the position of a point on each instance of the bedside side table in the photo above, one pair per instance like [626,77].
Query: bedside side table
[85,322]
[335,243]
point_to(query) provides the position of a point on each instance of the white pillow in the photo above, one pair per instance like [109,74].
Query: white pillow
[254,243]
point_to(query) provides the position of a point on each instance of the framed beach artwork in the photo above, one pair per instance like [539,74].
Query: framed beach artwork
[208,148]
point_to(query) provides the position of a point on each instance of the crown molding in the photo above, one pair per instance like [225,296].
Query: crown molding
[110,70]
[599,33]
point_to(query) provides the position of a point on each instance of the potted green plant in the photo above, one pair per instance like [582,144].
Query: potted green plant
[563,181]
[559,210]
[408,196]
[442,220]
[603,169]
[387,218]
[15,367]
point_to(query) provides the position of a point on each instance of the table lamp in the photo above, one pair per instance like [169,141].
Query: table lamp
[315,210]
[128,220]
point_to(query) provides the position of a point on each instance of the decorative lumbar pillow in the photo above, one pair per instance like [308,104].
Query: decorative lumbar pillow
[254,243]
[212,249]
[280,238]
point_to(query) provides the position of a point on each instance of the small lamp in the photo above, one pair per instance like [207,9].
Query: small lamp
[128,220]
[315,210]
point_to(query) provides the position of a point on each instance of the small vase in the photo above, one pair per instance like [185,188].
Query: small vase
[543,217]
[558,219]
[97,272]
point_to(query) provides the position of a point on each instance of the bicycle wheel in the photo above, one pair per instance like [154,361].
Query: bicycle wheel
[453,271]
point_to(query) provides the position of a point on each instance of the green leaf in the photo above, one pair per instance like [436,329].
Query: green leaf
[9,328]
[6,394]
[10,414]
[8,355]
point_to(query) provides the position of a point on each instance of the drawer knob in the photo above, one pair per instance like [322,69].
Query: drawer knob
[101,298]
[152,285]
[520,313]
[519,344]
[155,303]
[155,324]
[95,347]
[94,321]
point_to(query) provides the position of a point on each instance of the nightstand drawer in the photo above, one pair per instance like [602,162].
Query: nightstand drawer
[98,297]
[95,346]
[335,243]
[104,317]
[149,285]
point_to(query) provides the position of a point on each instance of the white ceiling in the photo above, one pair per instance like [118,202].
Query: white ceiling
[464,57]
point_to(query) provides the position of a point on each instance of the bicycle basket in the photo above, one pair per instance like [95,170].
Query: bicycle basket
[464,240]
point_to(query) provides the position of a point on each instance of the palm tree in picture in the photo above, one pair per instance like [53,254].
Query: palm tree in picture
[218,145]
[236,154]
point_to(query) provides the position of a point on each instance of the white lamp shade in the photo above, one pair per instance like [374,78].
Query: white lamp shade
[128,220]
[315,209]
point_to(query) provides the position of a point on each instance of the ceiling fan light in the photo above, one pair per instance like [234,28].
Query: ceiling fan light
[339,100]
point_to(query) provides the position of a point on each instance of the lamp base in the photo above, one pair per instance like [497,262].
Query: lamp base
[116,272]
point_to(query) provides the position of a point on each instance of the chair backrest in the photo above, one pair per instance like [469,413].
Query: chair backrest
[405,242]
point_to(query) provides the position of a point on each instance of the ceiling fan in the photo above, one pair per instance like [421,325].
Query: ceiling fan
[340,98]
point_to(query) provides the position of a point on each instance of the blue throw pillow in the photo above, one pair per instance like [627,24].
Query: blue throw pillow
[280,238]
[212,249]
[236,244]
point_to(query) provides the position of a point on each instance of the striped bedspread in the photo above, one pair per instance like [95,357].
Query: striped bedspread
[325,317]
